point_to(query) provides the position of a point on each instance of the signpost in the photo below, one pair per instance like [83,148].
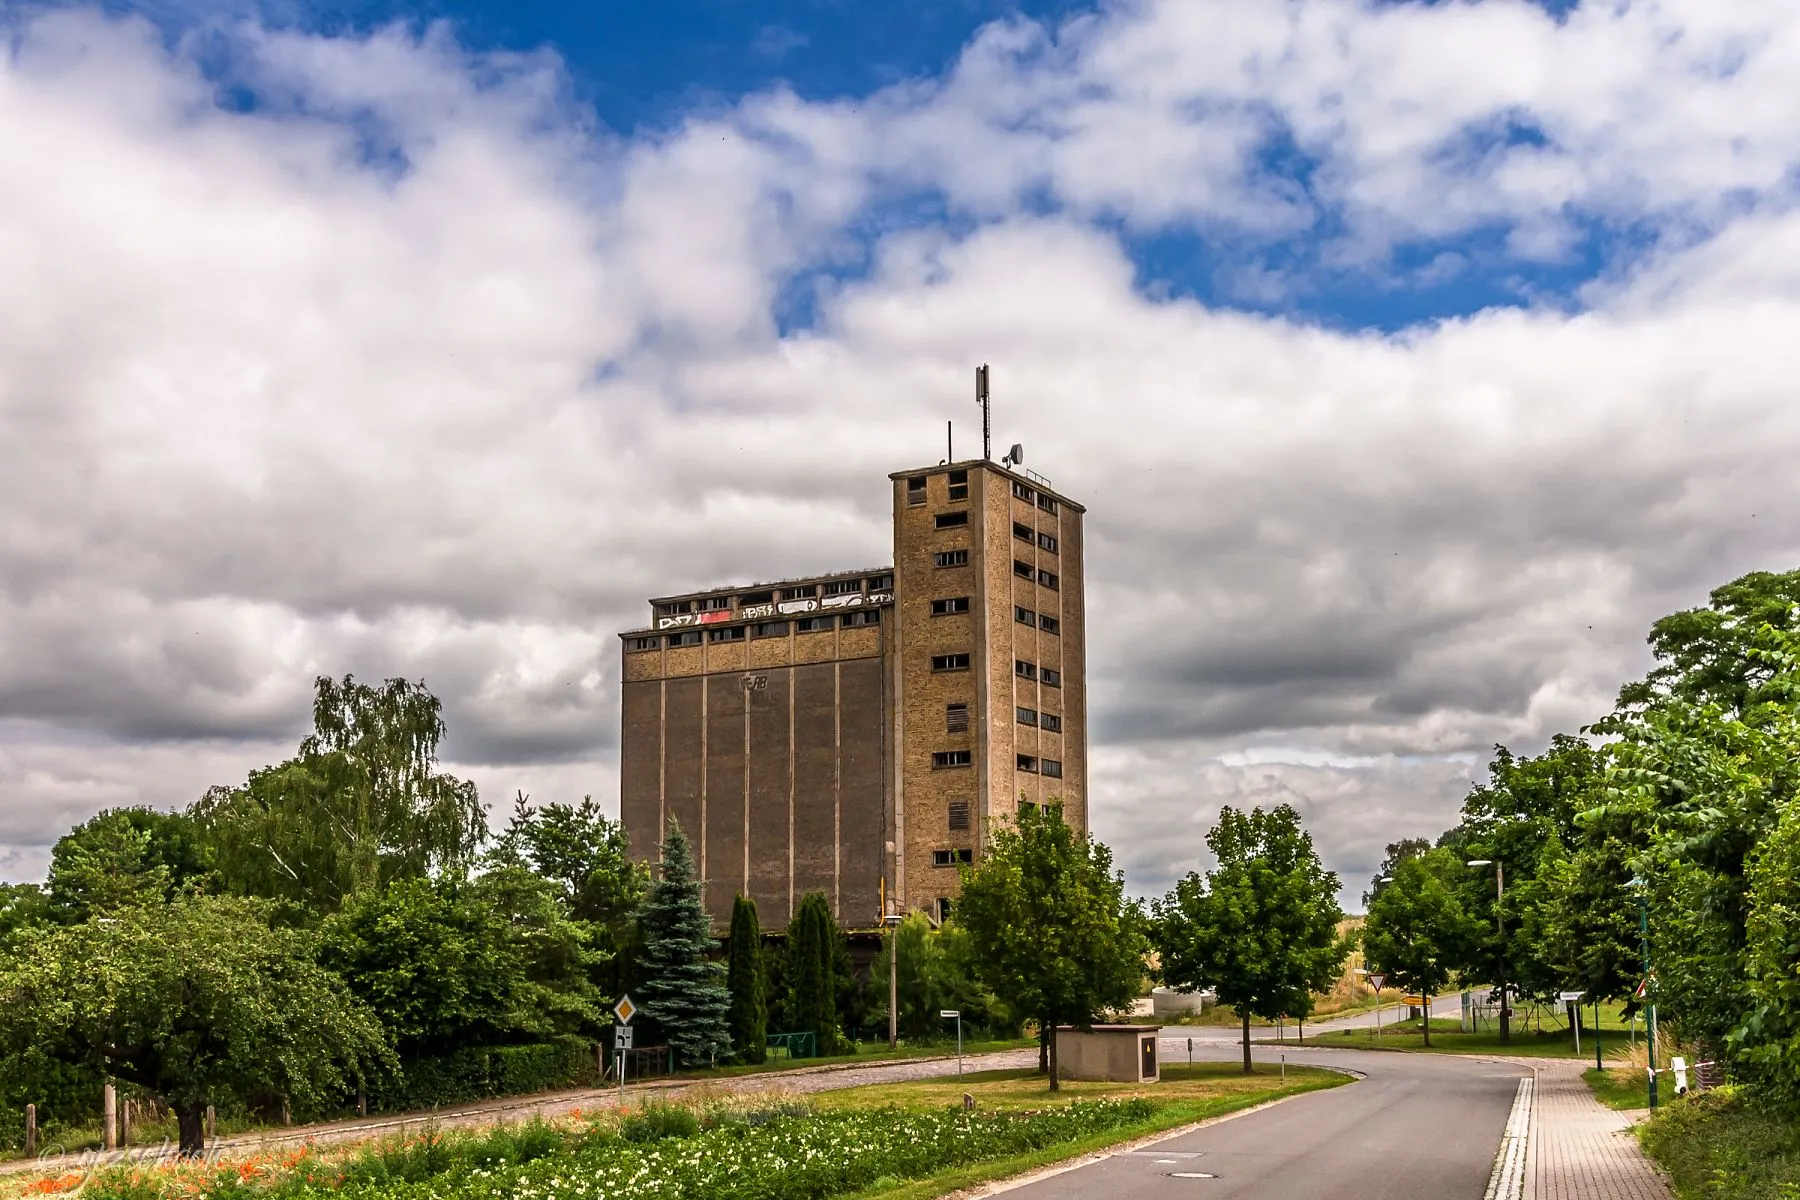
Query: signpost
[957,1013]
[622,1037]
[1571,1002]
[1377,980]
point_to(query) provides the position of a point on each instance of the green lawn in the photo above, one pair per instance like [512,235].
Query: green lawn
[1185,1095]
[867,1054]
[1447,1037]
[1618,1088]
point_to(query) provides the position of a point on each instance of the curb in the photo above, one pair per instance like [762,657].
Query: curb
[1507,1182]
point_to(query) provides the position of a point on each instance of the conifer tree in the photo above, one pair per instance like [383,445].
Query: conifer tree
[744,980]
[811,971]
[683,990]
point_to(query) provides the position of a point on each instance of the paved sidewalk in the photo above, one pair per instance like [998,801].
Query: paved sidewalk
[1579,1149]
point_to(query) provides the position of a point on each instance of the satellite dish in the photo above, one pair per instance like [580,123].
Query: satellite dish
[1016,455]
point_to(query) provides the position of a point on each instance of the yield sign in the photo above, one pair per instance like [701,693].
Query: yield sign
[1643,988]
[625,1009]
[1377,980]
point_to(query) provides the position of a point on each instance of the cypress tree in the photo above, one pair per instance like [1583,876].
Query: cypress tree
[811,971]
[744,980]
[683,990]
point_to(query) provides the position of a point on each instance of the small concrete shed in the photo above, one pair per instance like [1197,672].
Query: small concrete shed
[1108,1053]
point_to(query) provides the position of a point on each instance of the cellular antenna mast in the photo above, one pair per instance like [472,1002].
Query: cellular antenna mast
[981,398]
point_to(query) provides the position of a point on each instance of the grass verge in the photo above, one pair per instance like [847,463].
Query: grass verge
[1185,1095]
[1716,1145]
[1447,1037]
[867,1054]
[1624,1090]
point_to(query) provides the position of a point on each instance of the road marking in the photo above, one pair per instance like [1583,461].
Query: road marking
[1508,1180]
[1158,1155]
[1190,1175]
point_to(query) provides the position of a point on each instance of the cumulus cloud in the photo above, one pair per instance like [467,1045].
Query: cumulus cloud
[412,368]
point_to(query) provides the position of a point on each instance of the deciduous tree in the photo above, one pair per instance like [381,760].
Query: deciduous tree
[1051,930]
[1259,929]
[1417,931]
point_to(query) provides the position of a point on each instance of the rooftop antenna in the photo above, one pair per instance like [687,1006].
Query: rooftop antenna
[1014,457]
[950,441]
[981,398]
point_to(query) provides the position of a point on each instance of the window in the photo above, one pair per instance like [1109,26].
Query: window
[880,583]
[1024,616]
[1049,624]
[756,598]
[648,643]
[1047,504]
[1026,716]
[715,603]
[951,520]
[950,558]
[812,624]
[770,629]
[843,587]
[943,909]
[800,593]
[1050,722]
[1022,492]
[868,616]
[951,758]
[951,858]
[959,815]
[1024,670]
[1047,542]
[1027,763]
[949,662]
[733,634]
[959,485]
[1021,531]
[1047,579]
[1023,569]
[949,605]
[690,638]
[915,490]
[956,718]
[674,608]
[1051,768]
[1052,678]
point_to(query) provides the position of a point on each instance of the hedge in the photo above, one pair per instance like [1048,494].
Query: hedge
[480,1072]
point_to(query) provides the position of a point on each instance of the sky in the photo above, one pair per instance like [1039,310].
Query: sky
[1410,358]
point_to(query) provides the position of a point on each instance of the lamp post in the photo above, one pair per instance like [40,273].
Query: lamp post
[1642,888]
[892,921]
[1500,924]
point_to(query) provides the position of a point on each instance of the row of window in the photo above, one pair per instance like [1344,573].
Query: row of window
[958,482]
[1026,494]
[1026,533]
[1048,676]
[949,606]
[950,558]
[767,629]
[951,858]
[808,591]
[1040,766]
[1043,621]
[1025,570]
[1048,722]
[944,760]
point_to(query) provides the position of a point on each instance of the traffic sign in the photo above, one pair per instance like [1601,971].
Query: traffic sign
[948,1013]
[1413,1000]
[1377,980]
[1566,997]
[622,1037]
[1642,988]
[625,1009]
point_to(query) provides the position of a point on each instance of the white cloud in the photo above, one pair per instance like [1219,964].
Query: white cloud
[416,371]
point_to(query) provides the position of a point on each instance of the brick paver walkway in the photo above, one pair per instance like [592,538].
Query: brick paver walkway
[1579,1149]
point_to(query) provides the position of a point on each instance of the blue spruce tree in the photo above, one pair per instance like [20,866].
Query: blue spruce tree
[683,990]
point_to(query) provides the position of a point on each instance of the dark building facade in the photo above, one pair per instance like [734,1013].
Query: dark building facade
[858,733]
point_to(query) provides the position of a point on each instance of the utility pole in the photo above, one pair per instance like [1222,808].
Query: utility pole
[1649,986]
[893,927]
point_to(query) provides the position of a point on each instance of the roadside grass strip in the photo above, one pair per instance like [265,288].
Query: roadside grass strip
[1508,1179]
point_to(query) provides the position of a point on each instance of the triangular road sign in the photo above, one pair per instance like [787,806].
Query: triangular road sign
[1377,980]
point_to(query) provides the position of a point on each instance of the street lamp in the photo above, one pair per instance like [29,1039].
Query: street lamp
[1642,888]
[1500,924]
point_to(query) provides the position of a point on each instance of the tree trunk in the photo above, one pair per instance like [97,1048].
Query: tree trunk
[1055,1083]
[1425,1018]
[1248,1069]
[1043,1046]
[190,1119]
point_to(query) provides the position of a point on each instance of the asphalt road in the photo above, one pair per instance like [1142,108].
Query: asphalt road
[1417,1127]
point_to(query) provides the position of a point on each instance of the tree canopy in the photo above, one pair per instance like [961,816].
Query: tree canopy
[189,999]
[1417,932]
[1052,932]
[1260,928]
